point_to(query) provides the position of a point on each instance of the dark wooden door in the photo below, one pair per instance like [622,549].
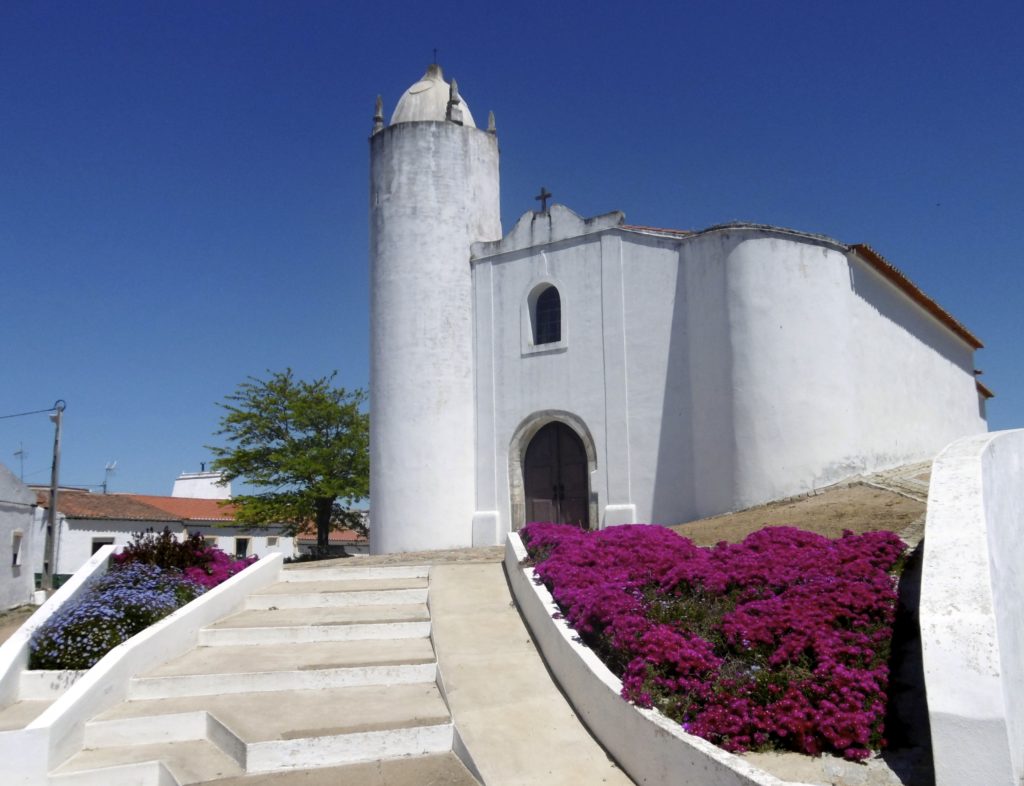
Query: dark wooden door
[555,477]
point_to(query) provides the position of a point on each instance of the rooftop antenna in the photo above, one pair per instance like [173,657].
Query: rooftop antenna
[107,472]
[21,453]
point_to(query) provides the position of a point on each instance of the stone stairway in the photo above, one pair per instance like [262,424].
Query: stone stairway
[330,670]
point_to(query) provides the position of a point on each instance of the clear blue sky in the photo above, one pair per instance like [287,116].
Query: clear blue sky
[183,185]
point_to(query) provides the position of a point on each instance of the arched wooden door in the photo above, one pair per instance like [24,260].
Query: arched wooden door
[555,477]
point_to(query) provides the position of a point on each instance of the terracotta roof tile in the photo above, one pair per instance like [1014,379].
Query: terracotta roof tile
[308,535]
[121,507]
[189,508]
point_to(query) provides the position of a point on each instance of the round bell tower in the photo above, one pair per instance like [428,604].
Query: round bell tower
[433,192]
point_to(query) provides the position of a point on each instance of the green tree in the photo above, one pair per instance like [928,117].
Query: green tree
[306,443]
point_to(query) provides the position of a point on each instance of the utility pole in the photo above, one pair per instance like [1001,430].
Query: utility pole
[20,453]
[50,555]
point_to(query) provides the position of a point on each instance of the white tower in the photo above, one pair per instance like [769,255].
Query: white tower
[433,192]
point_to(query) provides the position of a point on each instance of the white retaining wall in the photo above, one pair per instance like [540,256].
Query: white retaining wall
[650,748]
[972,610]
[29,754]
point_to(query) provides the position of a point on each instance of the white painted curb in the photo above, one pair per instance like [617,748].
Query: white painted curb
[649,747]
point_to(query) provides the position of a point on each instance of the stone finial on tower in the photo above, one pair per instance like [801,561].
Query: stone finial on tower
[454,111]
[378,116]
[491,128]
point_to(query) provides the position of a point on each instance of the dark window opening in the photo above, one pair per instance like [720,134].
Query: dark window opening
[548,323]
[98,543]
[241,548]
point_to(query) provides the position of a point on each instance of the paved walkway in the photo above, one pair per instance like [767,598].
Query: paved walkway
[516,724]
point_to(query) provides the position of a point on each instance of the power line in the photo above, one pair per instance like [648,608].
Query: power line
[59,404]
[22,414]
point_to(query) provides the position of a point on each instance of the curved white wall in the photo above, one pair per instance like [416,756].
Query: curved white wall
[434,191]
[835,372]
[972,610]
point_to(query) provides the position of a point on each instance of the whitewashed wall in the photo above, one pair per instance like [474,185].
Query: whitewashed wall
[972,612]
[17,508]
[262,543]
[714,371]
[75,545]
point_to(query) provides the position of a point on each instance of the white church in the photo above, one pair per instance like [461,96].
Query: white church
[598,372]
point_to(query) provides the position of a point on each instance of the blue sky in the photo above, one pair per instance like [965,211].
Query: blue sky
[183,186]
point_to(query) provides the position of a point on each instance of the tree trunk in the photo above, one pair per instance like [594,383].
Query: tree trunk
[324,505]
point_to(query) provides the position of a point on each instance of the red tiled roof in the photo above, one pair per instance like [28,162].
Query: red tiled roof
[308,535]
[84,505]
[189,508]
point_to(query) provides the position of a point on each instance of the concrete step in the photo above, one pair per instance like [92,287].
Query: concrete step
[437,770]
[284,587]
[264,681]
[163,729]
[287,715]
[319,624]
[351,748]
[317,596]
[291,656]
[22,712]
[190,761]
[299,573]
[346,615]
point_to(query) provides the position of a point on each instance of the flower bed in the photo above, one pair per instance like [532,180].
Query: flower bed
[150,578]
[779,642]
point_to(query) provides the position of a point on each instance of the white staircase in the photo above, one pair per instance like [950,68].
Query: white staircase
[326,670]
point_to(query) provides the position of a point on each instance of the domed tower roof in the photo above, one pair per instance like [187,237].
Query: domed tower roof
[428,100]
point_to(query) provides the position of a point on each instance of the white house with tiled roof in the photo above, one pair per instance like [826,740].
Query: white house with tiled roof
[597,372]
[88,521]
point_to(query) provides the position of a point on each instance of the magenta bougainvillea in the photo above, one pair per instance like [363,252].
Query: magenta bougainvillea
[778,642]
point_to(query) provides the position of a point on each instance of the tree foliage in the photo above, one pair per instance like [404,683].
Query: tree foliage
[306,443]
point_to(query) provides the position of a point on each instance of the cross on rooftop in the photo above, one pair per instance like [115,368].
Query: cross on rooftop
[543,198]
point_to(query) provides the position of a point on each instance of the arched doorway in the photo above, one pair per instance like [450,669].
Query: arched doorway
[556,476]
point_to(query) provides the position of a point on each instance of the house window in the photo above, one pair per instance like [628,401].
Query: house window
[271,541]
[16,538]
[547,322]
[98,543]
[241,548]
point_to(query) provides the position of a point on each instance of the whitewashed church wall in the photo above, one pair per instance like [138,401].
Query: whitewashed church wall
[793,387]
[526,380]
[715,373]
[656,307]
[434,191]
[834,371]
[916,389]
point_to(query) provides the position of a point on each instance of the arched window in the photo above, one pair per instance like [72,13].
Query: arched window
[547,322]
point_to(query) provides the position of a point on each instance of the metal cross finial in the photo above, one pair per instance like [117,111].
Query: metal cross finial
[435,55]
[543,198]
